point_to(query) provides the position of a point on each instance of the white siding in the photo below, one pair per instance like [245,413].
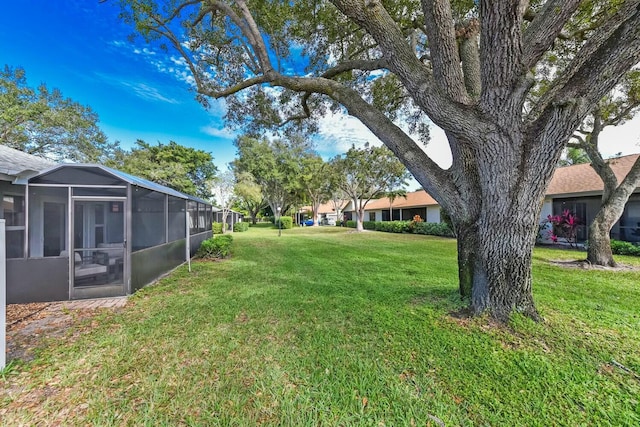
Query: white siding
[547,209]
[433,214]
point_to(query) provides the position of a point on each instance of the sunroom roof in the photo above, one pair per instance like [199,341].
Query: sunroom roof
[123,176]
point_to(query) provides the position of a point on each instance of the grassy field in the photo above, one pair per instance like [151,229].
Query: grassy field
[327,327]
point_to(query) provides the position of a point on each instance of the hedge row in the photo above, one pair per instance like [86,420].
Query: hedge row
[430,228]
[624,248]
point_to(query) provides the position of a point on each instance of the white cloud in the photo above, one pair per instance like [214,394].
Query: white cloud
[218,132]
[147,92]
[140,89]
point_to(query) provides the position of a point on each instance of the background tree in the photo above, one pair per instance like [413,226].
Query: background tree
[479,70]
[250,198]
[315,181]
[365,174]
[274,166]
[223,187]
[42,122]
[615,109]
[184,169]
[573,155]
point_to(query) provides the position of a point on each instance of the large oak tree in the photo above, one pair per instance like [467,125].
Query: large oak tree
[469,67]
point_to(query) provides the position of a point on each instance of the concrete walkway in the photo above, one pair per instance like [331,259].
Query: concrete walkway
[85,304]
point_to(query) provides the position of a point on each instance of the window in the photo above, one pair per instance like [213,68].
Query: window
[579,209]
[176,218]
[13,210]
[193,216]
[201,218]
[148,219]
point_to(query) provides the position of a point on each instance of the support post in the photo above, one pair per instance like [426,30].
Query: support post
[188,234]
[3,296]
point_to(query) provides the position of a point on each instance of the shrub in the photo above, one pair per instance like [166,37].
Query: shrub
[239,227]
[565,226]
[215,247]
[393,226]
[351,223]
[433,229]
[217,228]
[285,223]
[624,248]
[414,222]
[369,225]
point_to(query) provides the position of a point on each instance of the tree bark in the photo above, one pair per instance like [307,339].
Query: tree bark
[467,244]
[599,252]
[502,270]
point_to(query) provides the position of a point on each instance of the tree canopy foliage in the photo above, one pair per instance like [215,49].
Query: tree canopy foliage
[184,169]
[367,173]
[508,81]
[42,122]
[275,166]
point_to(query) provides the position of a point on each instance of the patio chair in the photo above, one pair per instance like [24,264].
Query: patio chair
[90,269]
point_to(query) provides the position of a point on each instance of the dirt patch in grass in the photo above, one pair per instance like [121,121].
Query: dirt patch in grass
[583,264]
[30,325]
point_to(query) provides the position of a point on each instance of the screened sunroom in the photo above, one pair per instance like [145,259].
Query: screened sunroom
[90,231]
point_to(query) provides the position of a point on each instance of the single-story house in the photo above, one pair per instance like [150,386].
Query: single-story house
[232,217]
[84,230]
[576,188]
[404,208]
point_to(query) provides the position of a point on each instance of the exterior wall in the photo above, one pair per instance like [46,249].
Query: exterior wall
[547,209]
[433,214]
[197,239]
[37,280]
[149,264]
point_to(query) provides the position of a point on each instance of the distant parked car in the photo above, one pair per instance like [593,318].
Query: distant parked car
[307,222]
[329,221]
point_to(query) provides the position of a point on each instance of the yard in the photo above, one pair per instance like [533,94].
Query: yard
[324,326]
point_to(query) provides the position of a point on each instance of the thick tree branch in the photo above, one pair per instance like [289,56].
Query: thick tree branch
[545,28]
[605,57]
[444,49]
[590,77]
[362,64]
[501,56]
[245,84]
[435,180]
[414,75]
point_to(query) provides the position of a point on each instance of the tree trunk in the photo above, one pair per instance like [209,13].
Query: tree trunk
[599,252]
[467,243]
[359,220]
[502,266]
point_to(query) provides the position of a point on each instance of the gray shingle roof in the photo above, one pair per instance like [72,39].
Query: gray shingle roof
[12,161]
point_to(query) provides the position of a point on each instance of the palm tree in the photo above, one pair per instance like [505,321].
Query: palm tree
[392,195]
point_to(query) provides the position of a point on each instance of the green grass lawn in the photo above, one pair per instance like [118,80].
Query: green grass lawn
[328,327]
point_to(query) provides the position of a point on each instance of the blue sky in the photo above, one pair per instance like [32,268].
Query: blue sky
[81,48]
